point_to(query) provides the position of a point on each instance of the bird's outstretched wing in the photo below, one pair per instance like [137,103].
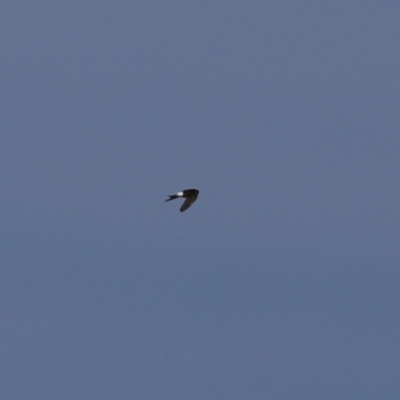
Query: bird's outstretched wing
[188,202]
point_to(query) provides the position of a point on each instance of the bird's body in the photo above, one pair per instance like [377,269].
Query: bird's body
[190,196]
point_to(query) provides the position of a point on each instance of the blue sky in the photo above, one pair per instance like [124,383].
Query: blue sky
[281,281]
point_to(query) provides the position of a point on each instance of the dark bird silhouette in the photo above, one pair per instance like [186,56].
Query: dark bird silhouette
[190,196]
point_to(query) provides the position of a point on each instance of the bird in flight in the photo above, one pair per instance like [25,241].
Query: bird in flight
[190,196]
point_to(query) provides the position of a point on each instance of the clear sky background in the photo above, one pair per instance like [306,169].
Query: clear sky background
[281,281]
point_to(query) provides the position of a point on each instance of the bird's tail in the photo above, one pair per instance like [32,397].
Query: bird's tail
[172,197]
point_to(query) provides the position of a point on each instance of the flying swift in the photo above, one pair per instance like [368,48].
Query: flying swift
[190,196]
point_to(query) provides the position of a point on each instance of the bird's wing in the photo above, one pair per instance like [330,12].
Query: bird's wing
[187,203]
